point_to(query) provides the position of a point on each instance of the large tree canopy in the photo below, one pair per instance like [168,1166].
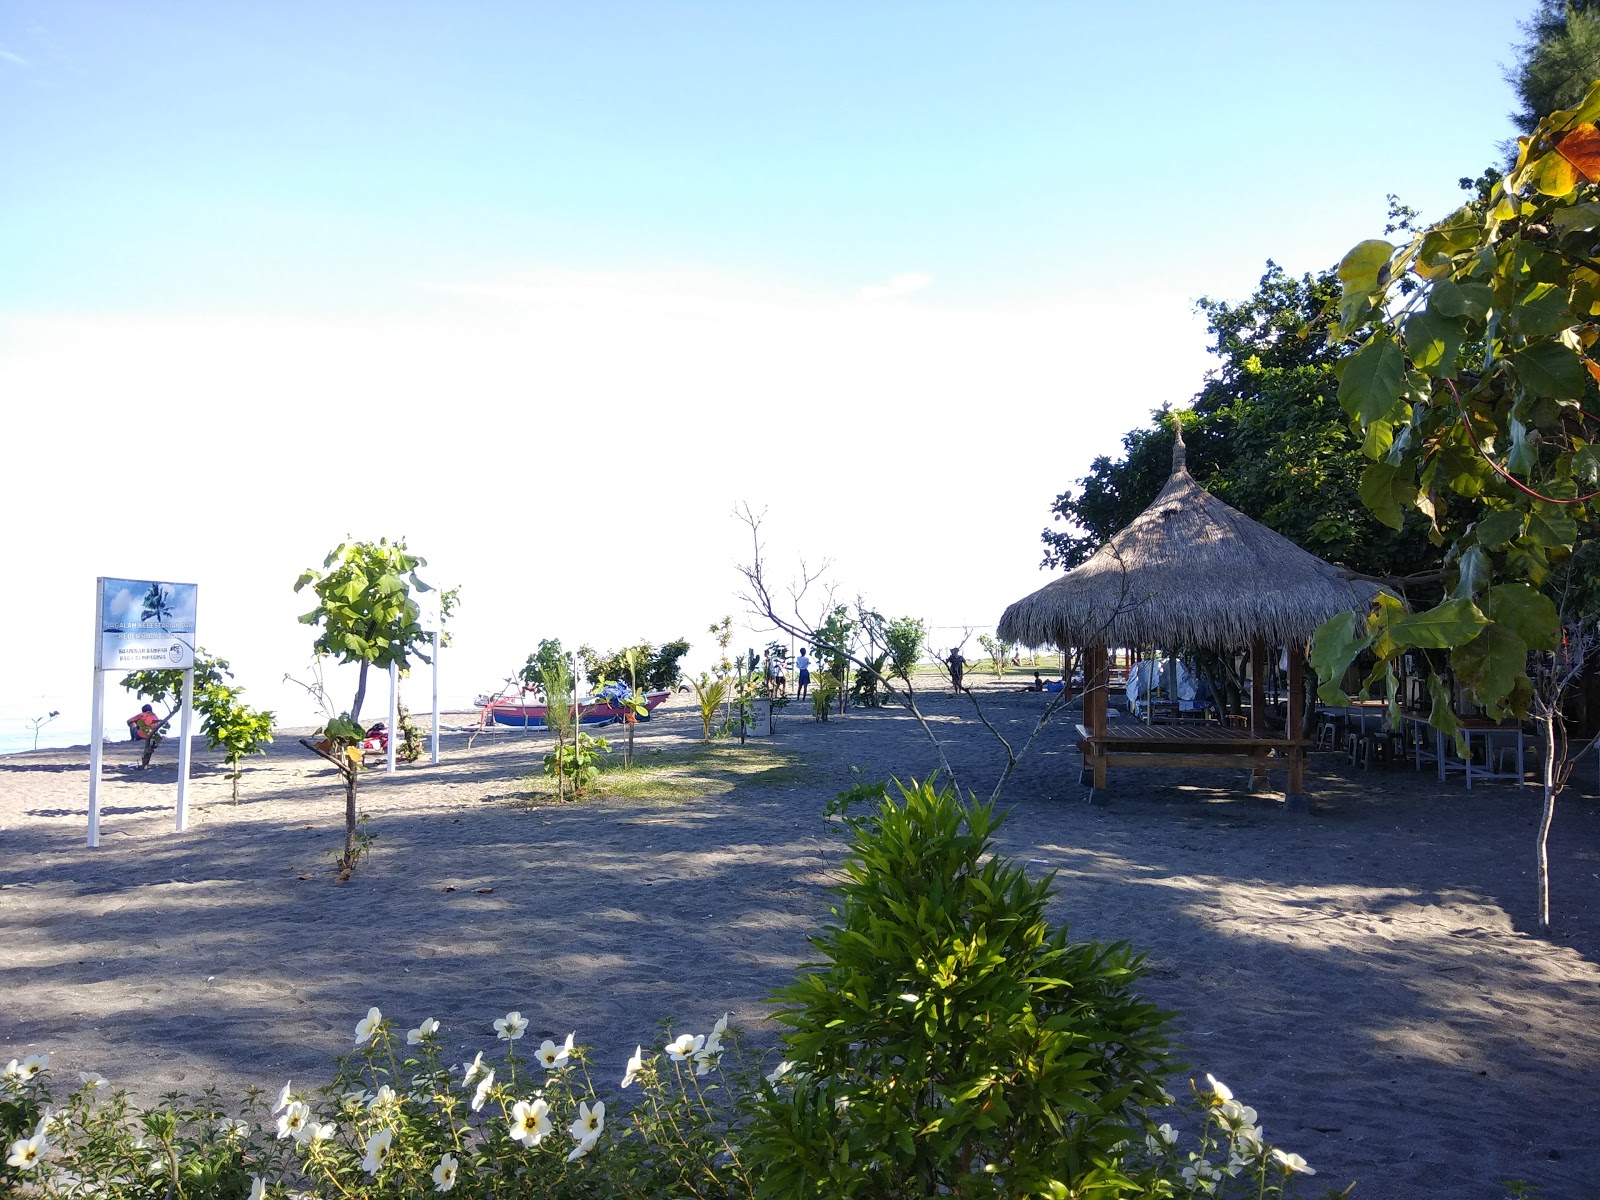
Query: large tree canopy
[1558,62]
[1265,433]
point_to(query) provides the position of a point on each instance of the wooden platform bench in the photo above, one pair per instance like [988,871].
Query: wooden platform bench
[1204,747]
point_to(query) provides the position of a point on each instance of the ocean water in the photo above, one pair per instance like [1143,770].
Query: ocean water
[14,741]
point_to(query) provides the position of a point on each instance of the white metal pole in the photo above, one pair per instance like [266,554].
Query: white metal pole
[394,713]
[97,721]
[435,733]
[184,749]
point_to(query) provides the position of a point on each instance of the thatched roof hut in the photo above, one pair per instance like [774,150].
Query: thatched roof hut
[1188,571]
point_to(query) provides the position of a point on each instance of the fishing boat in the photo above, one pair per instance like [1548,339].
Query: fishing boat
[526,711]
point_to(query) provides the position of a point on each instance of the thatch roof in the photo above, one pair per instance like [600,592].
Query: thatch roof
[1188,571]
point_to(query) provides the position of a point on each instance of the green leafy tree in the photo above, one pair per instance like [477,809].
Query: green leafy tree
[834,643]
[1472,382]
[999,653]
[655,667]
[951,1041]
[1557,62]
[542,660]
[365,609]
[904,639]
[1265,433]
[228,723]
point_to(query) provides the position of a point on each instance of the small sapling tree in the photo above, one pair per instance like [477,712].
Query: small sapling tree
[228,723]
[999,652]
[365,608]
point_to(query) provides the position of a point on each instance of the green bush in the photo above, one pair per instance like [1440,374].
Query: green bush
[952,1040]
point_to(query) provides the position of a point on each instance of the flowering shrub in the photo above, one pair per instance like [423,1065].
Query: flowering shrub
[397,1121]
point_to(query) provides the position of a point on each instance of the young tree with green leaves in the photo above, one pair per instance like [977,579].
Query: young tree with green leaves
[228,723]
[365,608]
[1473,385]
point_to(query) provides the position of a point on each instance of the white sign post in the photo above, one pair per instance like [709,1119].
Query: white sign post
[394,715]
[141,625]
[435,732]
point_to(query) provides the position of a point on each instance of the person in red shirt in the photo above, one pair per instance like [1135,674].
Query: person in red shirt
[142,724]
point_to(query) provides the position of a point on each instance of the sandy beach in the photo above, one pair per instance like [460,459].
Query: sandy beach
[1370,977]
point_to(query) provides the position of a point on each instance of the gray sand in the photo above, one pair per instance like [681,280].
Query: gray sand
[1369,978]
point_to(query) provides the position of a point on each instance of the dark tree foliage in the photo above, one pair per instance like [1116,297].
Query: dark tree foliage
[1558,62]
[1265,433]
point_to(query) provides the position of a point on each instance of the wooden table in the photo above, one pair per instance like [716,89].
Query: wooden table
[1134,744]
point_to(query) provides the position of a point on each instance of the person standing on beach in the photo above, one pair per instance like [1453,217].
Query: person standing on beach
[956,663]
[802,664]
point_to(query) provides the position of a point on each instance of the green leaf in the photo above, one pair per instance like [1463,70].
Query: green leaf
[1586,463]
[1490,665]
[1445,299]
[1551,369]
[1361,270]
[1495,529]
[1474,571]
[1453,623]
[1370,385]
[1527,612]
[1541,311]
[1552,532]
[1577,217]
[1433,342]
[1442,713]
[1334,647]
[1381,492]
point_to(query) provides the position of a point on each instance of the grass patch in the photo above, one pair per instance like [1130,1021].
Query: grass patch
[667,777]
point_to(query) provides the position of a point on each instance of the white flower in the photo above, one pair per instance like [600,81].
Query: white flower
[1247,1150]
[472,1070]
[294,1119]
[1236,1117]
[283,1098]
[482,1094]
[841,1105]
[258,1188]
[1165,1136]
[229,1129]
[91,1080]
[1219,1089]
[530,1122]
[684,1046]
[368,1025]
[721,1027]
[511,1026]
[356,1099]
[635,1065]
[386,1095]
[444,1175]
[1292,1164]
[28,1067]
[316,1132]
[591,1121]
[910,997]
[583,1147]
[414,1037]
[378,1147]
[554,1057]
[780,1071]
[26,1152]
[706,1058]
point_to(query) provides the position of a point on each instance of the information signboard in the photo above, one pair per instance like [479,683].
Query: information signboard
[146,625]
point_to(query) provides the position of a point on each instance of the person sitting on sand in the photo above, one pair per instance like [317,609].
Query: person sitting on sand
[143,724]
[1037,685]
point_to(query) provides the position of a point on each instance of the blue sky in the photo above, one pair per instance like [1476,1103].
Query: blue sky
[893,272]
